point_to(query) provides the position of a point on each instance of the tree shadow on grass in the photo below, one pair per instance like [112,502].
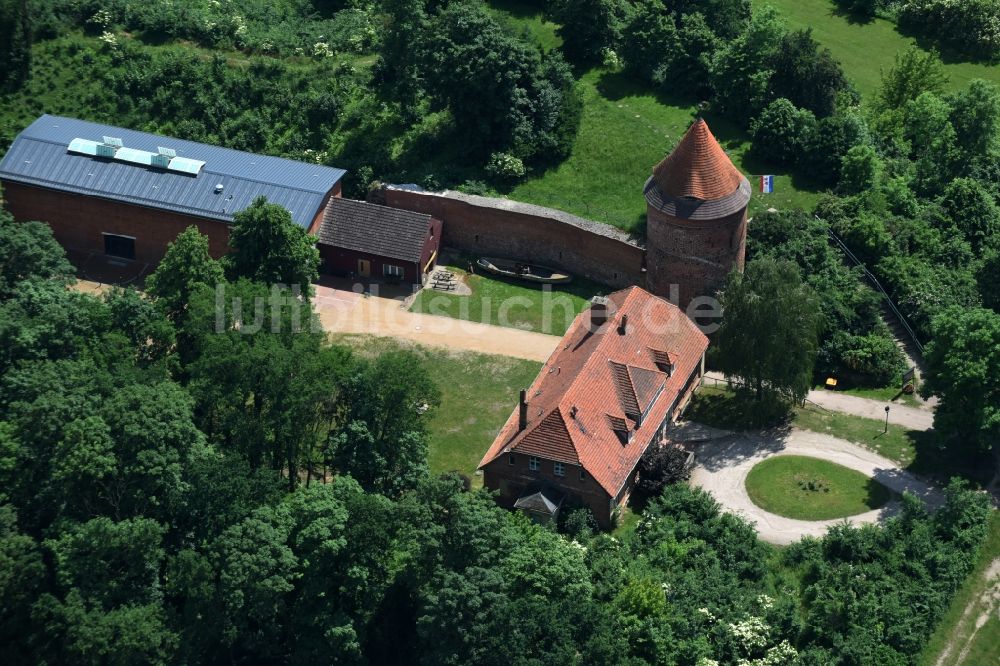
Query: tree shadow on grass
[616,86]
[738,410]
[895,481]
[853,17]
[940,459]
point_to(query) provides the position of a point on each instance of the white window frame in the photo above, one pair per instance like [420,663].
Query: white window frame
[392,270]
[534,463]
[559,469]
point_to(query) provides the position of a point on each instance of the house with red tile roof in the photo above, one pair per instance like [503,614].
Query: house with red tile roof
[621,375]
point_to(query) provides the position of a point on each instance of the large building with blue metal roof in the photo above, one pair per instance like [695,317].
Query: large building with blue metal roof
[125,193]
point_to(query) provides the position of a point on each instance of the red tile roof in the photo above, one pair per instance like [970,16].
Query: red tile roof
[597,382]
[698,167]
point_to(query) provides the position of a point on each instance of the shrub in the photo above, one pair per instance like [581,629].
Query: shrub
[826,147]
[660,467]
[577,523]
[874,359]
[779,133]
[860,170]
[969,27]
[505,168]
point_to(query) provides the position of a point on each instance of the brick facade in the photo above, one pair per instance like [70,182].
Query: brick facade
[79,222]
[691,258]
[509,229]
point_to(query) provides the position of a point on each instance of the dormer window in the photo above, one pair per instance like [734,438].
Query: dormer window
[620,427]
[664,361]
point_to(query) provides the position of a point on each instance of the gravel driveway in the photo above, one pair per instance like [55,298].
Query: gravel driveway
[724,462]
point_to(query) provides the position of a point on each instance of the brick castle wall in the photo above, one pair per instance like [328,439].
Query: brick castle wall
[78,221]
[509,229]
[694,255]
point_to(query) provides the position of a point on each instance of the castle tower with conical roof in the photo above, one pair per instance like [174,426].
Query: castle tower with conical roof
[696,226]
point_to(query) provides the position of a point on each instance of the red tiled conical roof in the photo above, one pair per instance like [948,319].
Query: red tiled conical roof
[698,167]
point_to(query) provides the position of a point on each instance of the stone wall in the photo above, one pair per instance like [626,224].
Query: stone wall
[509,229]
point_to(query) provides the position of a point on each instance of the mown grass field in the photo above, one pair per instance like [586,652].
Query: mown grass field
[472,411]
[865,49]
[625,131]
[807,488]
[543,309]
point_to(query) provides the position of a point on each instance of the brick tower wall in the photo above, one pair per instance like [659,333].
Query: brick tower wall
[690,258]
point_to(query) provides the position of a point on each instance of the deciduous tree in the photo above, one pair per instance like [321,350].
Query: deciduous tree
[186,264]
[963,363]
[267,246]
[770,328]
[28,250]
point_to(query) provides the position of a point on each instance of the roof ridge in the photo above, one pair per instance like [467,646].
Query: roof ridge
[363,202]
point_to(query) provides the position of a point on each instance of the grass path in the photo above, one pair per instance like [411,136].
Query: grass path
[865,49]
[969,633]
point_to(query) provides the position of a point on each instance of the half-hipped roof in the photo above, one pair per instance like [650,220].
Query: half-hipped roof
[601,395]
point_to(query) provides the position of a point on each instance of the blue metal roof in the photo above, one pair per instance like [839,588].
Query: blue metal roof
[40,156]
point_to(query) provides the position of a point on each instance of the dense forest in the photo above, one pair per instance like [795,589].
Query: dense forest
[181,485]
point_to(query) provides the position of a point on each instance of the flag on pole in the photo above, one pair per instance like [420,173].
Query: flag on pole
[767,184]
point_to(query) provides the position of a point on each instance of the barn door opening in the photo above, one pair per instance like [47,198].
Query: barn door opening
[119,246]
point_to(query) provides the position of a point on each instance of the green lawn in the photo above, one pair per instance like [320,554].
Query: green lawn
[865,50]
[625,131]
[807,488]
[545,309]
[472,411]
[957,627]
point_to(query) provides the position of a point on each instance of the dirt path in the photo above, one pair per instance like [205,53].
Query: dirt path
[978,614]
[348,312]
[914,418]
[724,462]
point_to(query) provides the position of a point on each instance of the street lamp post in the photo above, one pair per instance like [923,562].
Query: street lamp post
[886,431]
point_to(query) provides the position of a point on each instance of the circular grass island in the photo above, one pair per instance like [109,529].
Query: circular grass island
[807,488]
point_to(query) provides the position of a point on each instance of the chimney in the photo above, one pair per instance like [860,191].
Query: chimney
[598,312]
[522,413]
[623,325]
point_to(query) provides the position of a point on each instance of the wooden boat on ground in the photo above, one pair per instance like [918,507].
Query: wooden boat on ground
[519,270]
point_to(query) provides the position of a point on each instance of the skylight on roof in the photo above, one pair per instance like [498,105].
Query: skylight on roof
[186,165]
[83,146]
[134,156]
[111,147]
